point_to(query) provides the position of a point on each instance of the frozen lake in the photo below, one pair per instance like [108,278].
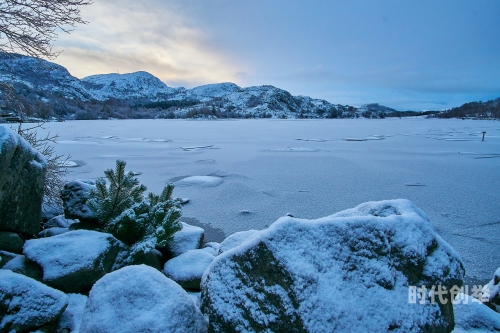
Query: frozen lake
[244,174]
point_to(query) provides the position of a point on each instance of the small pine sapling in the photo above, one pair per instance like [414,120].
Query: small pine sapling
[122,210]
[124,192]
[160,222]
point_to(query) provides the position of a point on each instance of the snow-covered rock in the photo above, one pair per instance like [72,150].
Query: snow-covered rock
[188,238]
[49,211]
[59,222]
[19,264]
[212,248]
[491,292]
[21,183]
[140,299]
[75,260]
[123,86]
[235,240]
[11,242]
[348,272]
[473,316]
[75,195]
[27,304]
[49,232]
[71,318]
[5,257]
[188,268]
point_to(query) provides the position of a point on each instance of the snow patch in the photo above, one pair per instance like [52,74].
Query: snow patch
[202,181]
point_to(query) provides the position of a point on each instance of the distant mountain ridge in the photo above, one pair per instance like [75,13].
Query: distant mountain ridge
[40,80]
[41,75]
[125,86]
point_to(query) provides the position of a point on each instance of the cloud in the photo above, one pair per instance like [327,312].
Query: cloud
[344,52]
[128,36]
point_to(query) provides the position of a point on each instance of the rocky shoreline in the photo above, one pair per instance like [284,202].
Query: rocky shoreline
[369,268]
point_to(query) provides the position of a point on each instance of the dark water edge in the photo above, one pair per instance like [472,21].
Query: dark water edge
[211,234]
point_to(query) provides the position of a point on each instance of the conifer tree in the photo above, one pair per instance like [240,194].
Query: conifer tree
[124,191]
[143,223]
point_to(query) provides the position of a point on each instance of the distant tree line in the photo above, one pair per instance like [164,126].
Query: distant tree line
[480,110]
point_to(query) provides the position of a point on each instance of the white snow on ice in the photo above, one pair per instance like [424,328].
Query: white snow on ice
[209,181]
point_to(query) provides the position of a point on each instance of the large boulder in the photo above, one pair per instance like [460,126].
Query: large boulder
[188,238]
[21,184]
[491,292]
[27,304]
[74,196]
[188,268]
[349,272]
[11,242]
[140,299]
[74,261]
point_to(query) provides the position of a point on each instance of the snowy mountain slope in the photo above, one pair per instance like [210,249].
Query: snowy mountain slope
[52,83]
[209,91]
[125,86]
[263,100]
[374,108]
[41,76]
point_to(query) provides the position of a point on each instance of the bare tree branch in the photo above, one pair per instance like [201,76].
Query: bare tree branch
[31,26]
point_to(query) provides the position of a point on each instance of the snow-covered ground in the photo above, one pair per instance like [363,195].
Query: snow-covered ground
[244,174]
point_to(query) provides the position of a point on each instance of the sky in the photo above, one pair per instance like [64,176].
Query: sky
[409,55]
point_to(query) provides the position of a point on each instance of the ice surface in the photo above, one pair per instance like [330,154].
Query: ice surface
[461,194]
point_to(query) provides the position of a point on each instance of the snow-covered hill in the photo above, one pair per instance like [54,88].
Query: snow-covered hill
[42,76]
[52,83]
[209,91]
[126,86]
